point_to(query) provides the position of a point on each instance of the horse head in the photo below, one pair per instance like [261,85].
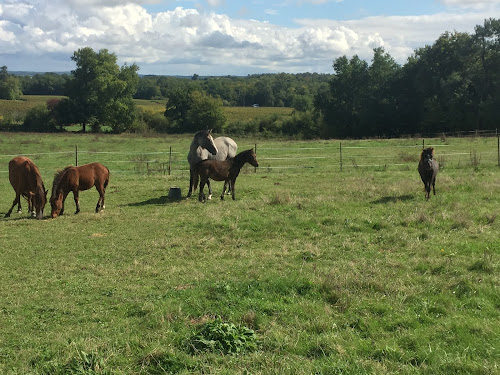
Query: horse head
[39,199]
[427,156]
[204,139]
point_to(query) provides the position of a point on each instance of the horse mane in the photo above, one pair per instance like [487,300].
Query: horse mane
[57,179]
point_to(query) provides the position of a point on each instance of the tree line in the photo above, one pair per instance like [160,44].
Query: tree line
[451,85]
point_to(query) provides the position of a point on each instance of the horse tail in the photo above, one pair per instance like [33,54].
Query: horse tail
[196,180]
[106,182]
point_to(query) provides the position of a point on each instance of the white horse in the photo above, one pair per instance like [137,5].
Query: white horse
[202,142]
[225,148]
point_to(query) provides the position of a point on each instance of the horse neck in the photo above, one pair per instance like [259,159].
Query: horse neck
[58,179]
[239,160]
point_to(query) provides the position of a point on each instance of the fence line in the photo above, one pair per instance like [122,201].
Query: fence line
[344,158]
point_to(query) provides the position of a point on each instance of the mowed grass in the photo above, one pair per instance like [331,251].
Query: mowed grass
[348,272]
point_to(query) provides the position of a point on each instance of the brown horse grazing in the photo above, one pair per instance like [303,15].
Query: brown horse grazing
[224,170]
[75,179]
[27,181]
[428,169]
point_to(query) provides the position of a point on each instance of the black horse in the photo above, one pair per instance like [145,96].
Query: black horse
[428,169]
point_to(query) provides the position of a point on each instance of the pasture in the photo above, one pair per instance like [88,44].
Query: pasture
[336,272]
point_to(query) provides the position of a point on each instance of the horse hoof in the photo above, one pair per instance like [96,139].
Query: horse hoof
[209,197]
[7,215]
[19,211]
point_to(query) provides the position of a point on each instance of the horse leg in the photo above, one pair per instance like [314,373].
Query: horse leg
[427,190]
[77,200]
[434,186]
[209,189]
[31,204]
[17,200]
[201,196]
[191,178]
[223,190]
[100,201]
[231,186]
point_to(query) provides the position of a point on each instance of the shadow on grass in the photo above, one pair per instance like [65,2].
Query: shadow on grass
[392,199]
[159,201]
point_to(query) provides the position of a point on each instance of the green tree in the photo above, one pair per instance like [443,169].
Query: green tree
[10,86]
[347,89]
[205,113]
[192,110]
[100,92]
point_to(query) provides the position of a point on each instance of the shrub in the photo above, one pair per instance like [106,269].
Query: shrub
[39,119]
[226,338]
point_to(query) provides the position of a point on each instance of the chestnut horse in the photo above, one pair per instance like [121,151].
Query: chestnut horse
[428,169]
[225,170]
[75,179]
[27,181]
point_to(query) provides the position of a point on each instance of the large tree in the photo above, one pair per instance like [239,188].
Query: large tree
[100,92]
[10,87]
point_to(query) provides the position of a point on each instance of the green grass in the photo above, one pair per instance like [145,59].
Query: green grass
[348,272]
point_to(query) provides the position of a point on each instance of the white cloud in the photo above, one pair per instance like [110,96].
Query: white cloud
[184,41]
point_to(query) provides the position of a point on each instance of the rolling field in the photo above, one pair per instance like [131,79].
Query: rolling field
[17,109]
[335,272]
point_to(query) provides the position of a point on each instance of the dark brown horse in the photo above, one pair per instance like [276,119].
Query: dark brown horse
[428,169]
[75,179]
[27,182]
[224,170]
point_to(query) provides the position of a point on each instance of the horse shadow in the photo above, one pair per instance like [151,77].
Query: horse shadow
[158,201]
[394,199]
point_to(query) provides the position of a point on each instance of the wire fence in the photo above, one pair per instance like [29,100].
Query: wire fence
[313,155]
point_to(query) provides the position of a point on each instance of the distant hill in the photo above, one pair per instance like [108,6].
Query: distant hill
[26,73]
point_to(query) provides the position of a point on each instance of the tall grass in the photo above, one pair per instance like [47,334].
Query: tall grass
[336,272]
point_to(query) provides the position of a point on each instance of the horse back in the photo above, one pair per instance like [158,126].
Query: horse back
[23,175]
[215,169]
[226,147]
[88,175]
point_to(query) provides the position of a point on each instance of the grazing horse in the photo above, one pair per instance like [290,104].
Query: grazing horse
[27,181]
[75,179]
[226,170]
[203,142]
[428,169]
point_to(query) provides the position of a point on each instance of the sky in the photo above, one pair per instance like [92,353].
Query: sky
[226,37]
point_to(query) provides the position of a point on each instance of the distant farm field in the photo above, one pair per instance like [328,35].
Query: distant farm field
[17,109]
[336,271]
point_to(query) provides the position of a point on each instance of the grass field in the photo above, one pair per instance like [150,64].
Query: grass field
[348,272]
[17,109]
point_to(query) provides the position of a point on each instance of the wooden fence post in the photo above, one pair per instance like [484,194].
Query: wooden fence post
[76,156]
[170,160]
[255,169]
[498,149]
[341,156]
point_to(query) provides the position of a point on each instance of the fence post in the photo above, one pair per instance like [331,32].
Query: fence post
[423,143]
[255,169]
[76,156]
[170,160]
[341,156]
[498,149]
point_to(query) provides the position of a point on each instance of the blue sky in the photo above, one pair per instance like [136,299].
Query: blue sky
[221,37]
[284,12]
